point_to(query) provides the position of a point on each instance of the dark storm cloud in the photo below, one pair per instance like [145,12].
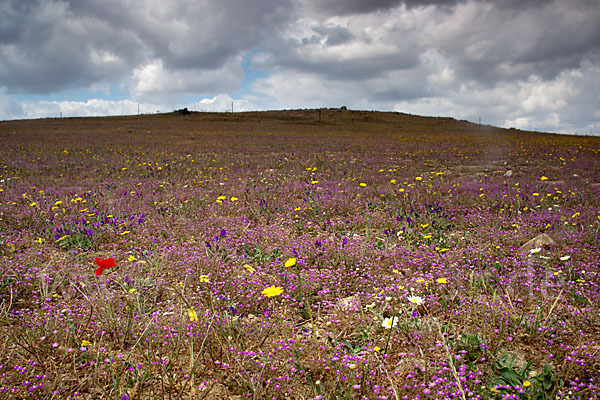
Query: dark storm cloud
[506,44]
[486,41]
[520,4]
[46,47]
[192,34]
[335,35]
[49,45]
[350,7]
[322,56]
[12,16]
[482,40]
[358,69]
[346,7]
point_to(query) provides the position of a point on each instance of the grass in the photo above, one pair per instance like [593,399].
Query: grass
[411,277]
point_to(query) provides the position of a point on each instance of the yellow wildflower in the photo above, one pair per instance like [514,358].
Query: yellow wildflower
[192,314]
[272,291]
[290,262]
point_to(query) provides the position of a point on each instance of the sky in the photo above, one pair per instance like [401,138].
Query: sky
[528,64]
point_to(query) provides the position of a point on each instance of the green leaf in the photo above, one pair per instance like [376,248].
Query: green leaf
[523,371]
[510,376]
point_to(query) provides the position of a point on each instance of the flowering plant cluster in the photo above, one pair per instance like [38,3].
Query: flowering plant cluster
[271,256]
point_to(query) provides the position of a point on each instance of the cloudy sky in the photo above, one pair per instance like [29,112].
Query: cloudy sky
[523,63]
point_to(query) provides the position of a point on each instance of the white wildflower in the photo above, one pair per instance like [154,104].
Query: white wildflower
[389,322]
[415,299]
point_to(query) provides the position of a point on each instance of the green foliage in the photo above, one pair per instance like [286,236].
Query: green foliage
[472,346]
[77,241]
[521,382]
[256,254]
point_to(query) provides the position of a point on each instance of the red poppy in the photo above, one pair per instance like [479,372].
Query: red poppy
[104,263]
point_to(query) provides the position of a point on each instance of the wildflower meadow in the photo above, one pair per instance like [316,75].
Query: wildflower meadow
[281,255]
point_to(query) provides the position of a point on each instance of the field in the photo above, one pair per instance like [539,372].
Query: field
[278,256]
